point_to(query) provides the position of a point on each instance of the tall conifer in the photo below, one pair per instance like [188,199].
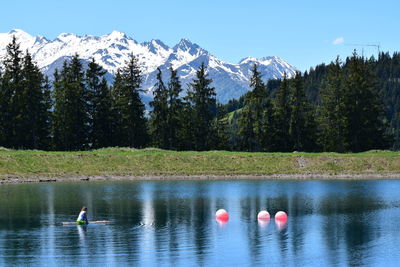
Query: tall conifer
[186,135]
[117,105]
[282,117]
[99,106]
[302,121]
[71,113]
[175,110]
[202,97]
[332,120]
[11,90]
[159,115]
[363,107]
[130,128]
[35,108]
[257,116]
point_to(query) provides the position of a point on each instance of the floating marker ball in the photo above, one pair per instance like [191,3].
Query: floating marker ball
[222,215]
[263,215]
[281,216]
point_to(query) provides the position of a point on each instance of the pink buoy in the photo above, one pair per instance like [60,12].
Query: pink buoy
[263,215]
[281,216]
[222,215]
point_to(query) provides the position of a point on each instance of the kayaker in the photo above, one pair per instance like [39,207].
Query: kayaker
[82,218]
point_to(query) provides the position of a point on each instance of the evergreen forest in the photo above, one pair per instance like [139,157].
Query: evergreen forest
[349,105]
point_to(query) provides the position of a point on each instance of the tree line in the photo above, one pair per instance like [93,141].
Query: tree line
[79,110]
[348,116]
[352,105]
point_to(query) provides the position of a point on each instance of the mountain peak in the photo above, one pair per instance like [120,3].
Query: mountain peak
[117,35]
[154,45]
[247,60]
[67,37]
[263,60]
[185,45]
[111,51]
[19,33]
[185,41]
[41,39]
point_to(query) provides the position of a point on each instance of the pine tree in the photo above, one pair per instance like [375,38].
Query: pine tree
[159,115]
[257,116]
[117,105]
[202,97]
[282,117]
[263,111]
[25,102]
[59,117]
[130,128]
[47,126]
[175,110]
[99,106]
[185,134]
[35,108]
[302,123]
[363,107]
[11,90]
[387,70]
[71,120]
[332,119]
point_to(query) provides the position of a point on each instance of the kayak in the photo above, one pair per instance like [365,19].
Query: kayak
[94,222]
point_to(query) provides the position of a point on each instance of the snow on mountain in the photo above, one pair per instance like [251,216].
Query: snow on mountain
[111,51]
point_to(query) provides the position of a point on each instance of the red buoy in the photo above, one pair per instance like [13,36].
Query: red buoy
[281,216]
[222,215]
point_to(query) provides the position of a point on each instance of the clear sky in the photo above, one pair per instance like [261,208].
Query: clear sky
[304,33]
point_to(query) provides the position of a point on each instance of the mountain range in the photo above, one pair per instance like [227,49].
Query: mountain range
[111,51]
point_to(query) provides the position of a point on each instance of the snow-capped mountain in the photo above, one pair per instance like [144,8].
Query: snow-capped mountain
[112,50]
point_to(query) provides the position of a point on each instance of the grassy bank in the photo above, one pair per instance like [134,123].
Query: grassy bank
[122,161]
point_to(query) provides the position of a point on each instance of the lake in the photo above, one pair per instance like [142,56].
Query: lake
[164,223]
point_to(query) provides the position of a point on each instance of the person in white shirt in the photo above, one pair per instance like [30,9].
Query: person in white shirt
[82,218]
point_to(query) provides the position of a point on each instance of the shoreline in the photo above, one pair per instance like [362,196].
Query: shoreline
[282,177]
[123,164]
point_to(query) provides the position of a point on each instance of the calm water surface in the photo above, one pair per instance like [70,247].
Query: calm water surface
[331,223]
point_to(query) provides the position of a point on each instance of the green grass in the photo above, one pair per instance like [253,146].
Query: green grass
[127,161]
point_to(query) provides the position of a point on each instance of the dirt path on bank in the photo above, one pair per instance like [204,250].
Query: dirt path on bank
[18,180]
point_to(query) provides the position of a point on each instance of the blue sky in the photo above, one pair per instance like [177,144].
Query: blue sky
[301,32]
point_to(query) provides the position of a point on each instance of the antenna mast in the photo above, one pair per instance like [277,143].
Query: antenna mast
[378,47]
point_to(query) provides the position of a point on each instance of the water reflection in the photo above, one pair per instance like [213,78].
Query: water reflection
[220,222]
[281,225]
[263,223]
[82,229]
[173,223]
